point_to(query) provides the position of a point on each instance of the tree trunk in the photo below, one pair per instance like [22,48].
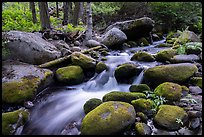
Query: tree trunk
[70,12]
[65,11]
[76,13]
[89,22]
[57,8]
[81,11]
[44,16]
[32,8]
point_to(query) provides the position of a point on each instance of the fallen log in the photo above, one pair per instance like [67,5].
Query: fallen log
[54,62]
[65,58]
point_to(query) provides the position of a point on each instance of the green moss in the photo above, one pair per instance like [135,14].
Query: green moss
[122,96]
[173,73]
[143,117]
[184,88]
[125,71]
[169,90]
[82,60]
[70,75]
[103,59]
[104,53]
[139,88]
[197,81]
[167,116]
[108,118]
[164,45]
[141,128]
[165,55]
[12,118]
[91,104]
[101,67]
[19,91]
[142,41]
[142,56]
[142,105]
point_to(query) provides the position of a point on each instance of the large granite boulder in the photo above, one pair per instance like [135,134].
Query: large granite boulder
[108,118]
[22,81]
[135,29]
[114,38]
[30,48]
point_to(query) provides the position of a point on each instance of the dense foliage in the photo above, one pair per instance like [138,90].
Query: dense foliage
[170,16]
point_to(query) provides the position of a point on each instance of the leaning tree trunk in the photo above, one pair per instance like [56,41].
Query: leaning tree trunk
[70,12]
[65,11]
[89,22]
[44,16]
[57,8]
[76,13]
[32,8]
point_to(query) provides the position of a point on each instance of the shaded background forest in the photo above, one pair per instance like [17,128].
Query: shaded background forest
[169,16]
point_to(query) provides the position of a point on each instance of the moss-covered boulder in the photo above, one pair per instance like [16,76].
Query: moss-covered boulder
[142,116]
[187,36]
[84,61]
[122,96]
[165,55]
[135,29]
[161,45]
[126,72]
[91,104]
[142,105]
[101,67]
[139,88]
[108,118]
[21,81]
[168,116]
[143,56]
[177,73]
[11,118]
[70,75]
[171,91]
[142,129]
[143,41]
[196,81]
[193,48]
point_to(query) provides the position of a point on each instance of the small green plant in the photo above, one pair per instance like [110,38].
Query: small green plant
[158,100]
[189,99]
[181,50]
[179,121]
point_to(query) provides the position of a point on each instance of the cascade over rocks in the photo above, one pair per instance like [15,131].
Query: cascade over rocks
[30,48]
[134,29]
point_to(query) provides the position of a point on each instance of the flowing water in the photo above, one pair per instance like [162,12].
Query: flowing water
[61,111]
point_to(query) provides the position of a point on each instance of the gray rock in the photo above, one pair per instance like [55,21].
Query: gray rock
[114,37]
[92,43]
[134,28]
[194,123]
[194,114]
[184,58]
[195,90]
[31,48]
[77,43]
